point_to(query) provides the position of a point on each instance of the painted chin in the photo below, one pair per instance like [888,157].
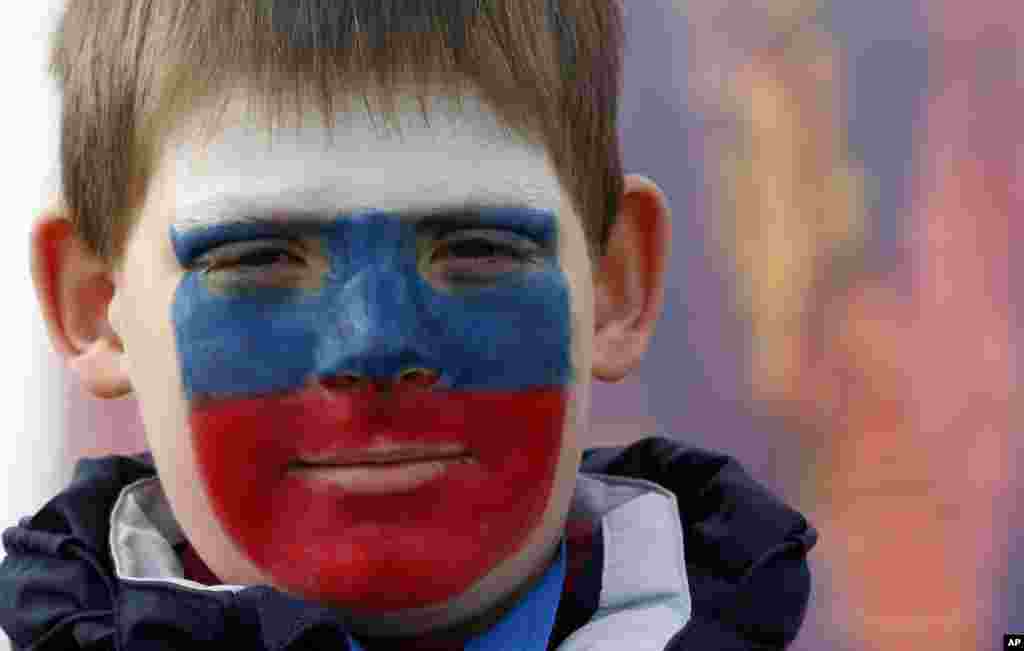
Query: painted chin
[380,538]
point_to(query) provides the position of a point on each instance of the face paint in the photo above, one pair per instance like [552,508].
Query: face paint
[263,352]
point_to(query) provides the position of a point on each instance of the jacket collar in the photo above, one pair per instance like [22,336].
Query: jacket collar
[643,585]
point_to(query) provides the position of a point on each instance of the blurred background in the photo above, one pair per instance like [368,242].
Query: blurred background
[839,316]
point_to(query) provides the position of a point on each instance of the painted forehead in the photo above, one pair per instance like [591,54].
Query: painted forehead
[459,156]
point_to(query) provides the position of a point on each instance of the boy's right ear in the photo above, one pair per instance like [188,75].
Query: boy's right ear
[75,289]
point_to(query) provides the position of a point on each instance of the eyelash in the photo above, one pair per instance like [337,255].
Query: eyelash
[516,248]
[234,262]
[493,247]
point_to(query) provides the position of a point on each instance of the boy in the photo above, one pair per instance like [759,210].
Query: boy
[361,351]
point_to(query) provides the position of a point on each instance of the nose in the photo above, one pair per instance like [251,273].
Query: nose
[379,328]
[411,378]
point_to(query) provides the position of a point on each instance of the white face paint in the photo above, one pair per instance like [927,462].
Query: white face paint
[463,157]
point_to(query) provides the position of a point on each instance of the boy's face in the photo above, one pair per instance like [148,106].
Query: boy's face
[298,300]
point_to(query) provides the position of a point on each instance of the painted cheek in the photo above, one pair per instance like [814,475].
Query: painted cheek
[383,552]
[503,356]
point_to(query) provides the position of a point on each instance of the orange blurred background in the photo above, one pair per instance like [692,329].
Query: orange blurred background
[897,374]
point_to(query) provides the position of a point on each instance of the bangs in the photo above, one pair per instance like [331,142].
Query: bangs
[133,70]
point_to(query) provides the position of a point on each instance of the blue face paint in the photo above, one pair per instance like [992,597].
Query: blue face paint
[389,294]
[375,313]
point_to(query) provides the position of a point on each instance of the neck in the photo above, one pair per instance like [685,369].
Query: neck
[456,636]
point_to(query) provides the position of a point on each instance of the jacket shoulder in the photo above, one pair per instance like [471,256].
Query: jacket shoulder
[746,550]
[57,585]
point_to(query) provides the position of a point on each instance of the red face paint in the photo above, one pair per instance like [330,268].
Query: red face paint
[376,553]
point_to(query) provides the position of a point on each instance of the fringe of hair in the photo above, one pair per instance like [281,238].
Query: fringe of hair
[131,72]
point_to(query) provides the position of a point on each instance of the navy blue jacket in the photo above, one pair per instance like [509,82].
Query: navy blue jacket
[668,547]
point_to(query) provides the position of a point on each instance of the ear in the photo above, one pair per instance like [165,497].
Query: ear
[75,290]
[629,283]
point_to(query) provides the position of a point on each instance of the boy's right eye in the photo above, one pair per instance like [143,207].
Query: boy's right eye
[260,258]
[245,260]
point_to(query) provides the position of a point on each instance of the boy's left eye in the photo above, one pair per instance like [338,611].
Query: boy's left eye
[476,254]
[476,248]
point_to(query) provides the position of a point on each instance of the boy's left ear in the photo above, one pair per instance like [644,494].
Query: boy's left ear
[629,280]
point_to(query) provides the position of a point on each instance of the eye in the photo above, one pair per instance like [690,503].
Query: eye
[248,259]
[481,254]
[476,248]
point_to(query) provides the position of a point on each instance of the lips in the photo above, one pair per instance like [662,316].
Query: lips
[382,454]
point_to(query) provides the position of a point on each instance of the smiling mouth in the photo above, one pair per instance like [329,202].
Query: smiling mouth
[402,461]
[381,456]
[393,474]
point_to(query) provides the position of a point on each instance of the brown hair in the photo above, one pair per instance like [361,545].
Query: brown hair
[130,71]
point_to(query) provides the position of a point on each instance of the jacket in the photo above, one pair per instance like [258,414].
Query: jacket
[667,548]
